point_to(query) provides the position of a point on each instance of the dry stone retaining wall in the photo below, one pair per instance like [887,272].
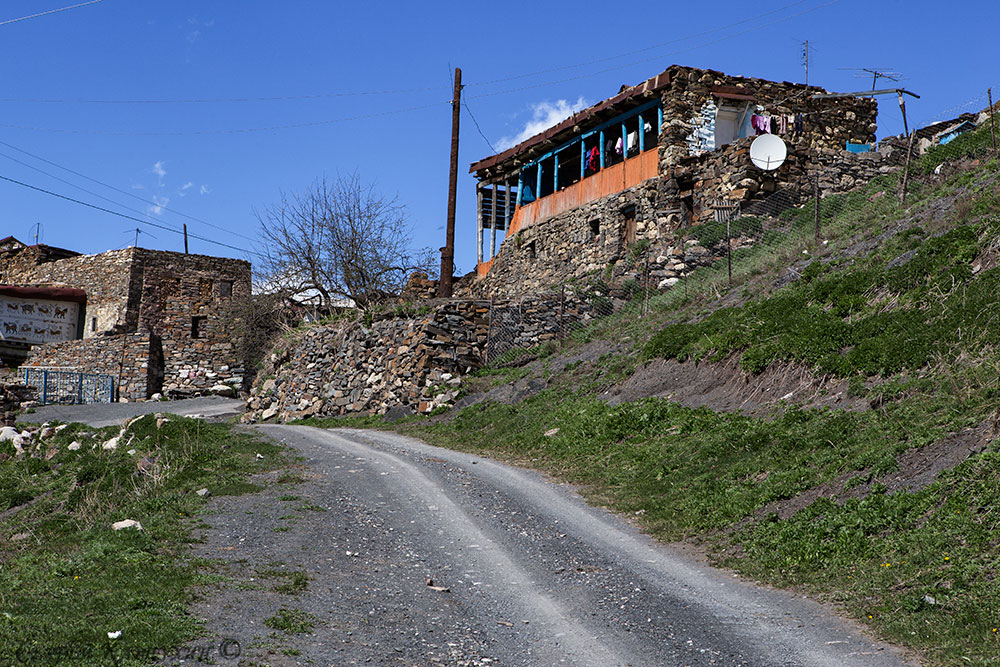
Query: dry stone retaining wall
[407,364]
[125,356]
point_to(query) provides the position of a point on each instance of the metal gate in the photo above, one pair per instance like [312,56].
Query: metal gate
[70,387]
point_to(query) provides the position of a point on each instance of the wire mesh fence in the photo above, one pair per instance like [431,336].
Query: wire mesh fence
[787,229]
[65,387]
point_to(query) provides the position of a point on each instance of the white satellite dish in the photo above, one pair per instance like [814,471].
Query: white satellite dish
[768,152]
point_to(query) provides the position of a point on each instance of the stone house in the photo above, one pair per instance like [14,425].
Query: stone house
[153,319]
[649,161]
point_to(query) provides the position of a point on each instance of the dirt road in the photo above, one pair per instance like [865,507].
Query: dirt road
[417,555]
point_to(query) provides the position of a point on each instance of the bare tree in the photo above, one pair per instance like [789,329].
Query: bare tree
[339,240]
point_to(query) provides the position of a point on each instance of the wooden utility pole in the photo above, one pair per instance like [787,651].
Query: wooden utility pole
[185,238]
[816,208]
[448,251]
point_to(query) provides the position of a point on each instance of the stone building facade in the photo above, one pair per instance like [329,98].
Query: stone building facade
[154,319]
[650,162]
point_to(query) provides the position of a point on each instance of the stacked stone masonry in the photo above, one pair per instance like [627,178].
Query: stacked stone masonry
[692,174]
[176,302]
[414,364]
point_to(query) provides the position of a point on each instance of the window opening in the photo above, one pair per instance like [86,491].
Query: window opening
[595,228]
[198,326]
[93,324]
[632,136]
[628,214]
[569,165]
[225,288]
[547,168]
[649,135]
[205,287]
[591,147]
[531,250]
[529,184]
[614,147]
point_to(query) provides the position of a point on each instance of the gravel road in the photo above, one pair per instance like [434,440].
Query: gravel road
[109,414]
[521,572]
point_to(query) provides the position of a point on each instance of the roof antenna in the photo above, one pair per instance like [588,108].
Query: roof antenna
[38,231]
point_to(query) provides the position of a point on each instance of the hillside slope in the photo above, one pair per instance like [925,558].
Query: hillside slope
[827,423]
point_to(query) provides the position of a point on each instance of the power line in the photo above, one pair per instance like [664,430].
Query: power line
[73,185]
[111,187]
[221,100]
[127,217]
[51,11]
[476,122]
[657,57]
[246,130]
[642,50]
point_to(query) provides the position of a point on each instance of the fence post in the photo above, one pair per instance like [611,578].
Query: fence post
[45,387]
[645,278]
[562,304]
[79,389]
[993,130]
[816,208]
[906,169]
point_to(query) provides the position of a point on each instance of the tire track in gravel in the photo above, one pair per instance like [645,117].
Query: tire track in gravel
[533,575]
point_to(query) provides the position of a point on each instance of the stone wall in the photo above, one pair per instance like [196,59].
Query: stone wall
[184,299]
[178,300]
[403,364]
[105,277]
[126,357]
[565,247]
[344,368]
[693,172]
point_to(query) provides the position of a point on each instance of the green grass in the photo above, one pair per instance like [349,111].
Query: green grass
[292,621]
[912,325]
[74,579]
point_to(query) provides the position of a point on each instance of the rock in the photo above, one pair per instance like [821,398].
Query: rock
[111,444]
[75,445]
[551,432]
[9,433]
[17,537]
[223,390]
[667,283]
[269,413]
[156,397]
[127,523]
[204,493]
[397,412]
[46,432]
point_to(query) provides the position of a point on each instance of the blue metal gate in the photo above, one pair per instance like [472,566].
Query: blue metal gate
[70,387]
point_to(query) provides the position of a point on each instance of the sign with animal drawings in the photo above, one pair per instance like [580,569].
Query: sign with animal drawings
[37,320]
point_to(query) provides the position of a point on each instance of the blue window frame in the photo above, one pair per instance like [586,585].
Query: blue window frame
[615,140]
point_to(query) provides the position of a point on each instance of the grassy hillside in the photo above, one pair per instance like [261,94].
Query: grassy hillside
[67,578]
[891,507]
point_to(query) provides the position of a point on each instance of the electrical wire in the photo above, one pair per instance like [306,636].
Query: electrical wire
[476,122]
[74,185]
[224,100]
[128,217]
[111,187]
[246,130]
[51,11]
[657,57]
[642,50]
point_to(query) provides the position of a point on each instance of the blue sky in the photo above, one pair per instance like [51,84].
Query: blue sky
[212,109]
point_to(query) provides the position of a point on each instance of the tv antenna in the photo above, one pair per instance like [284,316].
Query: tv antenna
[38,232]
[805,58]
[875,73]
[137,232]
[768,152]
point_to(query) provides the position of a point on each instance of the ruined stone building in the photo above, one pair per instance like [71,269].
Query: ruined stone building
[649,162]
[155,320]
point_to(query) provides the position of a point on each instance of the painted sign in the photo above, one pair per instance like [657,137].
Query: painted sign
[37,320]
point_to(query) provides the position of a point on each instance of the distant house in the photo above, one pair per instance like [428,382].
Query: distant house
[154,319]
[650,160]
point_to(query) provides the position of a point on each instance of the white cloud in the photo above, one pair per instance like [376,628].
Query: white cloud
[203,190]
[184,188]
[543,116]
[138,186]
[194,33]
[159,203]
[159,170]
